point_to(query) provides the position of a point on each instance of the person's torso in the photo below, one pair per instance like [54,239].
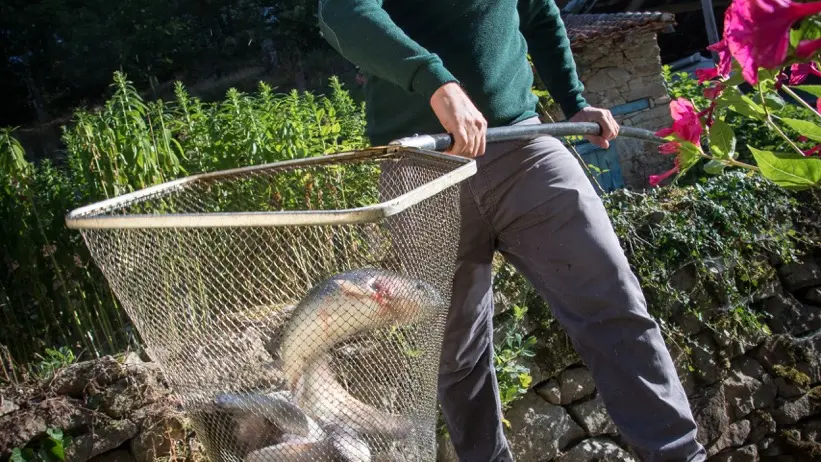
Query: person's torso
[479,43]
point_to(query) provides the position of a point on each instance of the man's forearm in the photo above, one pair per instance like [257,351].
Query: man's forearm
[549,47]
[364,34]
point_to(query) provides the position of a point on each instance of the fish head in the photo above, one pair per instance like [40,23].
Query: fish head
[407,298]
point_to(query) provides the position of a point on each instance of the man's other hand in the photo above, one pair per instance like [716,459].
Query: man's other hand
[603,117]
[461,119]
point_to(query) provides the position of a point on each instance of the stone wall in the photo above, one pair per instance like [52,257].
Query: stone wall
[754,397]
[112,411]
[622,70]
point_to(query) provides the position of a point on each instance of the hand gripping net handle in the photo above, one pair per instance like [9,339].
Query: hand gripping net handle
[443,141]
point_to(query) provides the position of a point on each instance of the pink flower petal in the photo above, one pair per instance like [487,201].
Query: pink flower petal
[670,148]
[706,74]
[665,132]
[807,48]
[757,32]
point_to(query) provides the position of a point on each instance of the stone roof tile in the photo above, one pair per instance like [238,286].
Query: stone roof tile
[583,28]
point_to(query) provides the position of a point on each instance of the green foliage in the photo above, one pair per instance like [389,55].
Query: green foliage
[51,292]
[703,249]
[513,377]
[50,449]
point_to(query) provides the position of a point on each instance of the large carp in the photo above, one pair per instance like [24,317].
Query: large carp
[348,304]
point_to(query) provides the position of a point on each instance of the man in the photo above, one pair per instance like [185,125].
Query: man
[461,66]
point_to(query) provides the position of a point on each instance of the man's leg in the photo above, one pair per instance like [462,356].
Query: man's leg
[554,229]
[468,393]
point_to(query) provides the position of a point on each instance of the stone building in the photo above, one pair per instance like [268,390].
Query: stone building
[618,60]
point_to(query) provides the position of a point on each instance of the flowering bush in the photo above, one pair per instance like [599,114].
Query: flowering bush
[772,45]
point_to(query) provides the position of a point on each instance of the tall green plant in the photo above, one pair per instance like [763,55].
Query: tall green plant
[51,293]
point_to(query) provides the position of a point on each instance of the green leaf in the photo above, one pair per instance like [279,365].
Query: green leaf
[714,167]
[814,90]
[804,127]
[789,171]
[722,140]
[742,104]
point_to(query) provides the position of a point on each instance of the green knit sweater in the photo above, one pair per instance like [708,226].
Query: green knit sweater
[407,49]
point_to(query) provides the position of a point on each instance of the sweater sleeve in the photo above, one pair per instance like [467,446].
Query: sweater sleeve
[364,34]
[549,48]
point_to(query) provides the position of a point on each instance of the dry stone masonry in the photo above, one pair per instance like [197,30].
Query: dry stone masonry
[755,398]
[618,60]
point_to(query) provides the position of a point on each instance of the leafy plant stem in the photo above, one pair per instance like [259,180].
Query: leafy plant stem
[774,126]
[795,96]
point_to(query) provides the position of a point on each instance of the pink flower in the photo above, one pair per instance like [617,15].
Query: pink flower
[706,74]
[757,32]
[807,48]
[800,71]
[725,59]
[655,180]
[671,147]
[713,91]
[814,151]
[802,139]
[686,124]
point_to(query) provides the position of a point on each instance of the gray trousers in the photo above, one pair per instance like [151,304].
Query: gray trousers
[531,201]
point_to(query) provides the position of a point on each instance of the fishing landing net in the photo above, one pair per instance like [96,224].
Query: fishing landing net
[216,271]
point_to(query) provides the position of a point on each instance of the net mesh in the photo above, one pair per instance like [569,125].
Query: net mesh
[296,343]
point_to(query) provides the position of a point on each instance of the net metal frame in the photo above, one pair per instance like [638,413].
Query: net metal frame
[214,270]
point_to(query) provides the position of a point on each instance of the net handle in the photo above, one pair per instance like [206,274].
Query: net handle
[443,141]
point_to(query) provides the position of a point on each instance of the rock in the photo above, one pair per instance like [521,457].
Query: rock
[803,449]
[787,388]
[554,351]
[800,355]
[811,430]
[551,392]
[796,276]
[576,383]
[104,437]
[7,406]
[762,425]
[619,75]
[28,423]
[539,430]
[596,449]
[599,82]
[705,358]
[789,316]
[593,417]
[745,394]
[747,453]
[749,366]
[735,436]
[790,411]
[120,399]
[119,455]
[611,60]
[710,412]
[132,359]
[652,89]
[76,379]
[813,295]
[159,430]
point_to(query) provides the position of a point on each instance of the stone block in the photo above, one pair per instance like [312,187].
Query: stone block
[599,82]
[796,276]
[596,449]
[576,383]
[735,436]
[592,415]
[539,430]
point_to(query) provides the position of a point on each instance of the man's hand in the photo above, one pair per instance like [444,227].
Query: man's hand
[603,117]
[461,119]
